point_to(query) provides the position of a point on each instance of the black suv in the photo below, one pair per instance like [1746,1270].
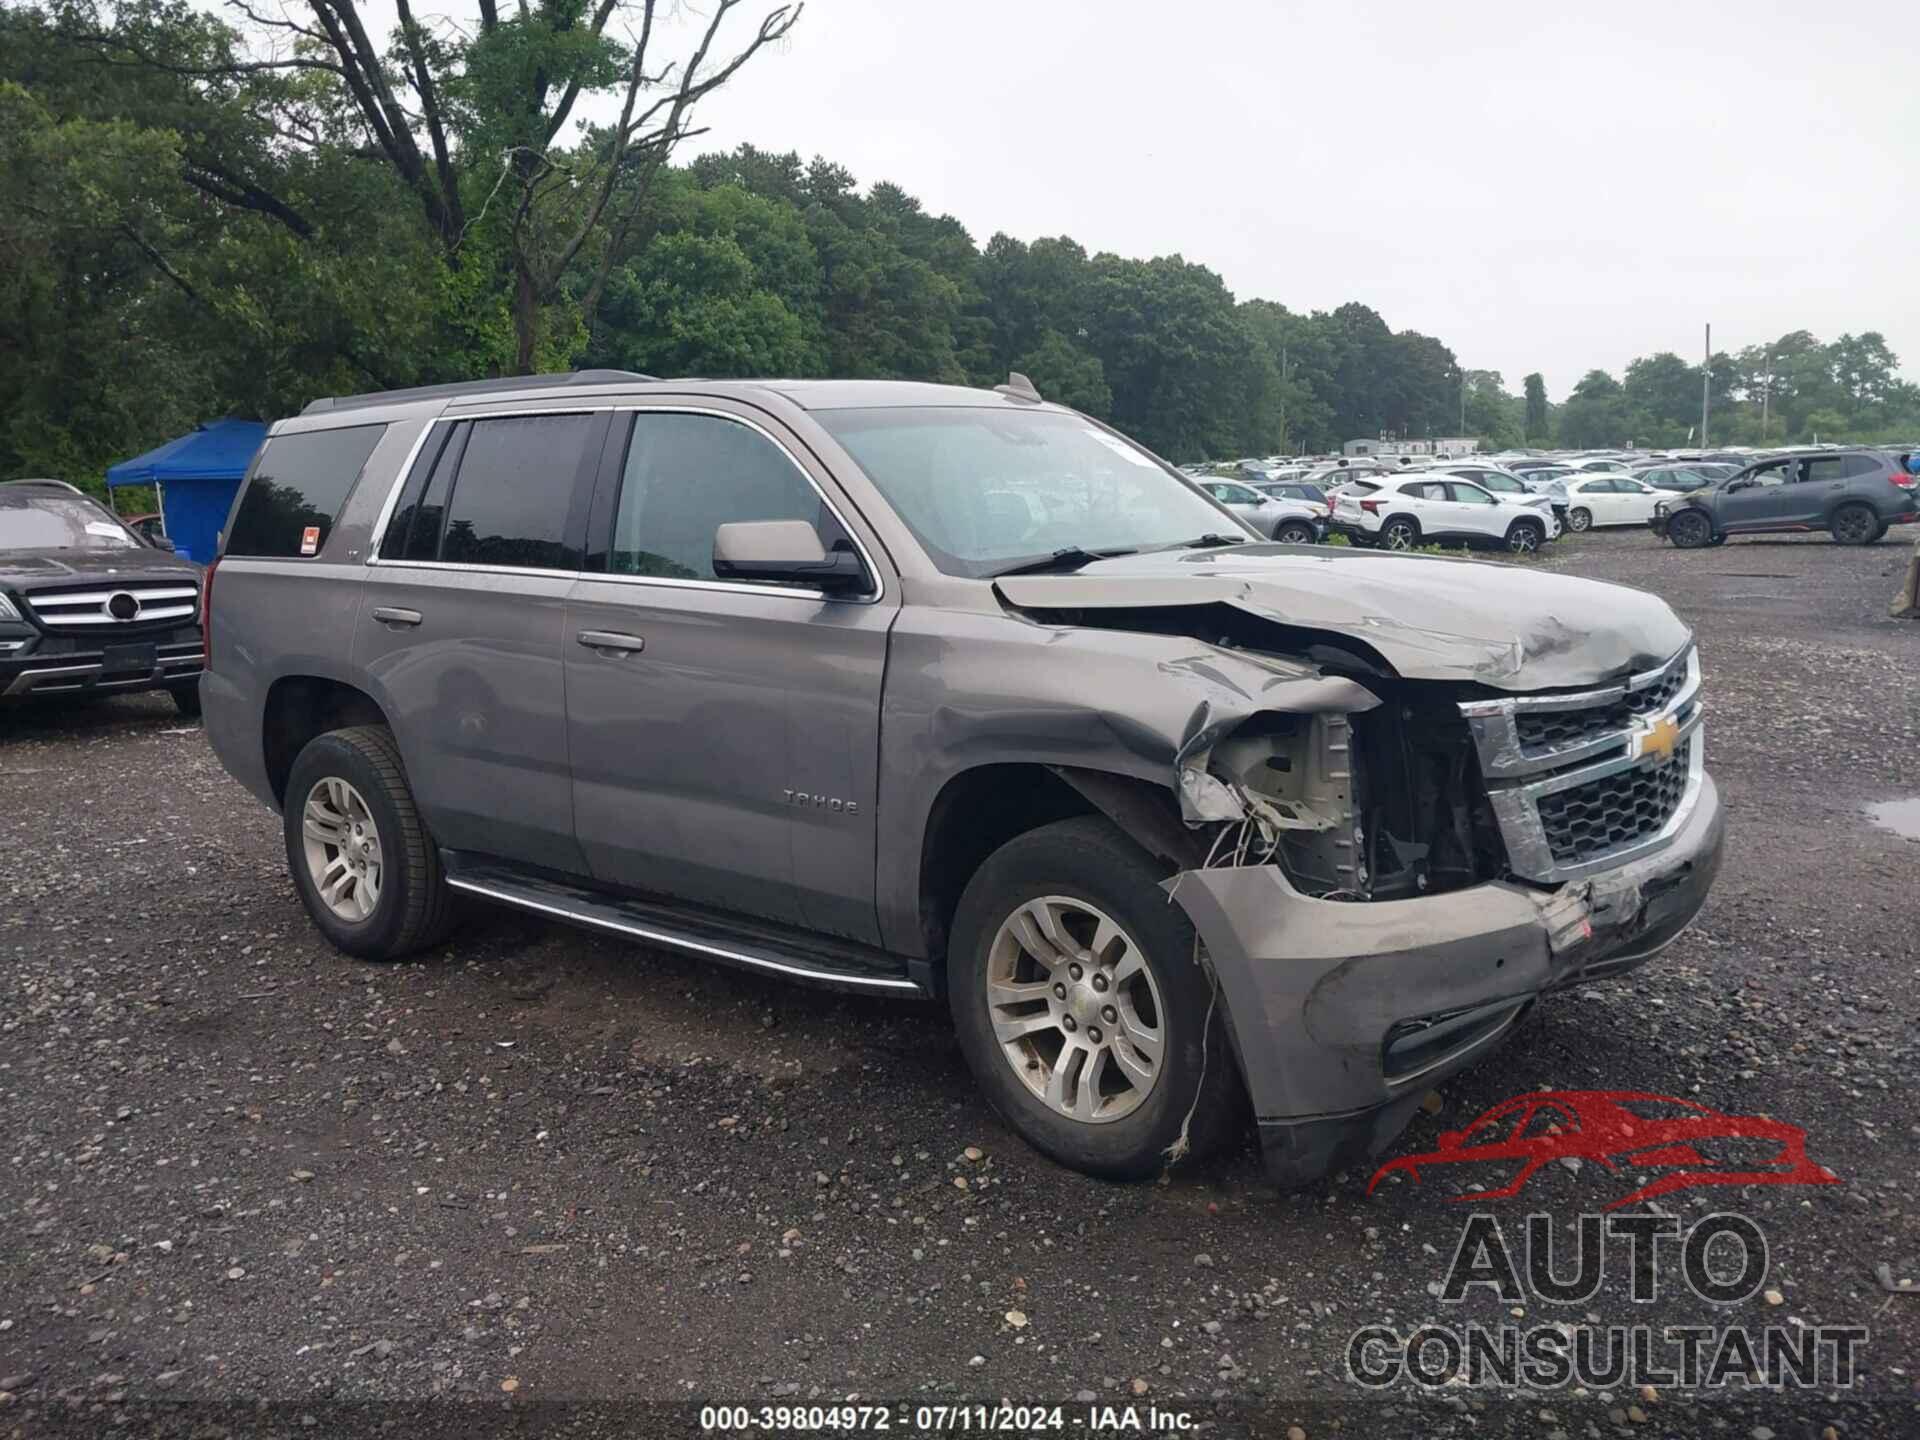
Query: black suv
[87,607]
[1852,494]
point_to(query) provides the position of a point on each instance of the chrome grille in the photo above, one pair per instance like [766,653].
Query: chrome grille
[1544,732]
[1579,782]
[1586,822]
[139,602]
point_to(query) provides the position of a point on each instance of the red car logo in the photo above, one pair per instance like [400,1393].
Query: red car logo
[1624,1130]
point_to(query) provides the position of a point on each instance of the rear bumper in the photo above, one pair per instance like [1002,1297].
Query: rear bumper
[1345,1014]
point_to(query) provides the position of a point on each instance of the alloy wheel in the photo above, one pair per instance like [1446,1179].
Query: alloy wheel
[1075,1009]
[342,849]
[1854,525]
[1399,536]
[1524,539]
[1578,520]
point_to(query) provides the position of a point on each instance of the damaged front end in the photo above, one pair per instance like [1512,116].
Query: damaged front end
[1386,872]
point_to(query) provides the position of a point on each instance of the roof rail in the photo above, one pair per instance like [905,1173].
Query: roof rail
[471,387]
[36,480]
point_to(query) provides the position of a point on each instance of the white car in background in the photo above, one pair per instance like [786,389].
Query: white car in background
[1427,509]
[1599,500]
[1293,522]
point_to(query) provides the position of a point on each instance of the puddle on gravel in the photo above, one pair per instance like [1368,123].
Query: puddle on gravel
[1902,817]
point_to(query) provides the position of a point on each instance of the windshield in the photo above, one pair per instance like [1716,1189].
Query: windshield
[983,489]
[43,521]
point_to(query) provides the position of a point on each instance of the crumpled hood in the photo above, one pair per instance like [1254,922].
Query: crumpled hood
[1512,627]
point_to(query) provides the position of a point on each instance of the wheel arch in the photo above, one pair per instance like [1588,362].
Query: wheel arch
[980,809]
[298,708]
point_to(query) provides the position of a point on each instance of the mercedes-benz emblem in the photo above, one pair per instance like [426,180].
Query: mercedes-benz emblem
[123,606]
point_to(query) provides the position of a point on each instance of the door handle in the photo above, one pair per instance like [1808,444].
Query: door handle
[393,615]
[611,642]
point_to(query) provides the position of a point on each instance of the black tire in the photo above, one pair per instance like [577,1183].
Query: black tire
[1198,1087]
[1689,530]
[1525,537]
[1402,532]
[1855,524]
[1294,532]
[186,699]
[1579,519]
[1718,540]
[415,908]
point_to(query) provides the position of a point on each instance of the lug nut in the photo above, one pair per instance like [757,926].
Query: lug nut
[1109,1014]
[1074,971]
[1067,1024]
[1099,982]
[1059,992]
[1093,1033]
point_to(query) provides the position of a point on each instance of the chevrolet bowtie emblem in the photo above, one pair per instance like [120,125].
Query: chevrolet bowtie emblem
[1659,738]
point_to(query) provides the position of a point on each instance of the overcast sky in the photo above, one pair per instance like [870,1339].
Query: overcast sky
[1540,186]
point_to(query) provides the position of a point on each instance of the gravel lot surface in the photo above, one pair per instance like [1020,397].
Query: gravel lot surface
[544,1166]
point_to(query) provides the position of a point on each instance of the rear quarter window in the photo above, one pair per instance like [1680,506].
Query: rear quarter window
[299,484]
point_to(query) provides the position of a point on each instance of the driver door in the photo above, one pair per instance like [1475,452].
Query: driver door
[1476,512]
[1760,499]
[723,735]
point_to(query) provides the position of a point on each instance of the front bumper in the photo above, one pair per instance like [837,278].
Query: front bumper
[43,668]
[1344,1014]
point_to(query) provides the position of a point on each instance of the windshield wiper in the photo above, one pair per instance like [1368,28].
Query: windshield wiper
[1208,541]
[1072,557]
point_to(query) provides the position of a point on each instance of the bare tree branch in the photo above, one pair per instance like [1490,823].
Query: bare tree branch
[572,93]
[211,179]
[430,107]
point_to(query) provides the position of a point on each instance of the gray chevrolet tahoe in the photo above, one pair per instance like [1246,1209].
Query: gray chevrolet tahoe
[930,691]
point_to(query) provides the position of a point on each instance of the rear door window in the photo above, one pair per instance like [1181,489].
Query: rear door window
[511,495]
[300,482]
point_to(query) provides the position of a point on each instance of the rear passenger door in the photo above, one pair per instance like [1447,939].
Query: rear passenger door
[461,623]
[724,735]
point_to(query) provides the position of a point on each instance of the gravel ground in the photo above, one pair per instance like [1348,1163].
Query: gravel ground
[541,1166]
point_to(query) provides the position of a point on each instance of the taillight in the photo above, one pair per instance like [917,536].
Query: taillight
[206,612]
[1899,481]
[1372,507]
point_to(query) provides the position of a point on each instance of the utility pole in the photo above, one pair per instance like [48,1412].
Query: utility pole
[1706,387]
[1463,402]
[1766,400]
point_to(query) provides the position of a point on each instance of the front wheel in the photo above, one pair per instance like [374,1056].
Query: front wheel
[1084,1008]
[362,860]
[1579,519]
[1689,530]
[1294,532]
[1526,536]
[1855,525]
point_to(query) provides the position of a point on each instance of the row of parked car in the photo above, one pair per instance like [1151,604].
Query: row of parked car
[1523,501]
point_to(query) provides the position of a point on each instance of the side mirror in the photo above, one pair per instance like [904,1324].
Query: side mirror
[1735,486]
[785,552]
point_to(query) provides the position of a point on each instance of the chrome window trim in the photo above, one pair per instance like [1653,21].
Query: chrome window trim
[796,592]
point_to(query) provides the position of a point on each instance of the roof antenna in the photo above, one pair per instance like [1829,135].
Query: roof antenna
[1018,387]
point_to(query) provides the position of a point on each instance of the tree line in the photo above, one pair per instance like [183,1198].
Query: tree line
[230,214]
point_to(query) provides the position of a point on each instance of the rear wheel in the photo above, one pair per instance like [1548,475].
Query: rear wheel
[1400,533]
[1579,519]
[1526,536]
[1689,530]
[1294,532]
[362,860]
[1855,525]
[1084,1009]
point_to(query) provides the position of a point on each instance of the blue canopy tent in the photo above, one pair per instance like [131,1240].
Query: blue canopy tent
[196,477]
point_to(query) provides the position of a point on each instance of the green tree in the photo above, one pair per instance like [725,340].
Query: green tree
[1538,426]
[1596,413]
